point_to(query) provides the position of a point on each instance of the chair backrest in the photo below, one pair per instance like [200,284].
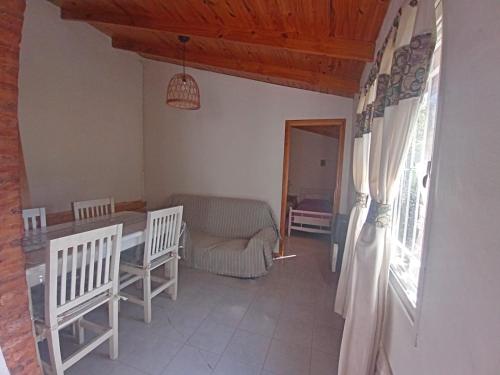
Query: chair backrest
[34,218]
[80,267]
[162,232]
[93,208]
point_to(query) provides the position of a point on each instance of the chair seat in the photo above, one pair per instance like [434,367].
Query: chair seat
[38,302]
[135,257]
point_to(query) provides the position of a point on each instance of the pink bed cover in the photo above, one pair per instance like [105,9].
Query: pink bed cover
[316,205]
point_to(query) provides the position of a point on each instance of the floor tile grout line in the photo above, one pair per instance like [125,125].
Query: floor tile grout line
[287,280]
[171,359]
[236,329]
[225,348]
[186,342]
[272,337]
[274,330]
[267,355]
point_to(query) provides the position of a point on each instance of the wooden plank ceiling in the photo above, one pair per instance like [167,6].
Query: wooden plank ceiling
[318,45]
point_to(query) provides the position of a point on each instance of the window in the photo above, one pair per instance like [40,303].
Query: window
[410,204]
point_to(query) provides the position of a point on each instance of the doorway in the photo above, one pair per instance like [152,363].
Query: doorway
[334,128]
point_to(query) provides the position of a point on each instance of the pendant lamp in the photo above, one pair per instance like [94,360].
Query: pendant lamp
[183,91]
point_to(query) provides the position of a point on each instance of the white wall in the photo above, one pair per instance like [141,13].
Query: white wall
[459,330]
[306,152]
[3,366]
[233,146]
[80,112]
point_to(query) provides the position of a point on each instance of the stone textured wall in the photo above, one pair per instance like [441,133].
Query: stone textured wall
[16,338]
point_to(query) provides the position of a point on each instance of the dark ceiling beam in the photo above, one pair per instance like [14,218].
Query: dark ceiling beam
[331,47]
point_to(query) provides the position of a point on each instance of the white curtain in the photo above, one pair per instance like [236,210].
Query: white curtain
[361,153]
[398,80]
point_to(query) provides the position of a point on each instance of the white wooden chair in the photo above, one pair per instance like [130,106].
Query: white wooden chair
[160,249]
[82,273]
[93,208]
[34,218]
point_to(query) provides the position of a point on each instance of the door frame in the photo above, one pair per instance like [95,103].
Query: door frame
[289,124]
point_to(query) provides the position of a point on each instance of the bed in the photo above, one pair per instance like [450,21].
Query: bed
[313,213]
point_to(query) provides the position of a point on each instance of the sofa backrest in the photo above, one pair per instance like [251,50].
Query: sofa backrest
[225,217]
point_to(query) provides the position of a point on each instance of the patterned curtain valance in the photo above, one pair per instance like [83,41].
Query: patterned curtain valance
[408,73]
[363,120]
[378,61]
[376,65]
[398,73]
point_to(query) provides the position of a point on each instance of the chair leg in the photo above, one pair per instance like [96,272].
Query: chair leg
[113,323]
[147,296]
[166,270]
[167,273]
[30,305]
[55,351]
[173,274]
[79,332]
[37,348]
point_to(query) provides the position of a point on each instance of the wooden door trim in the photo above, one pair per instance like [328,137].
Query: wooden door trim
[289,124]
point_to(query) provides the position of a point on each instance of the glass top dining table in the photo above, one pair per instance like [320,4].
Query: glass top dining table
[36,243]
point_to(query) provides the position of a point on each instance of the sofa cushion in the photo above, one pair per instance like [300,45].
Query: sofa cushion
[205,243]
[226,256]
[224,217]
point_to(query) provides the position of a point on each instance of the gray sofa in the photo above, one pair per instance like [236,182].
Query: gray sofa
[227,236]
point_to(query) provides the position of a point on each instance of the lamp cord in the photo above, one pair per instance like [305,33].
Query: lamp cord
[184,62]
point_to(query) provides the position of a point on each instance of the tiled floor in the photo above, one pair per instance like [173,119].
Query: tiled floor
[282,323]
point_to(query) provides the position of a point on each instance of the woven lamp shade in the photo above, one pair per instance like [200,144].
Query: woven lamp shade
[183,92]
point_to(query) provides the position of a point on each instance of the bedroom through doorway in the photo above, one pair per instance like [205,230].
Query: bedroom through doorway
[312,176]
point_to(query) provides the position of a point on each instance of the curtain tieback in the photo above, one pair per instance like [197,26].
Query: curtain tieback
[361,200]
[379,214]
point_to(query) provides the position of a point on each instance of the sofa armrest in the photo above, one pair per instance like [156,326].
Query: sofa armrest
[264,240]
